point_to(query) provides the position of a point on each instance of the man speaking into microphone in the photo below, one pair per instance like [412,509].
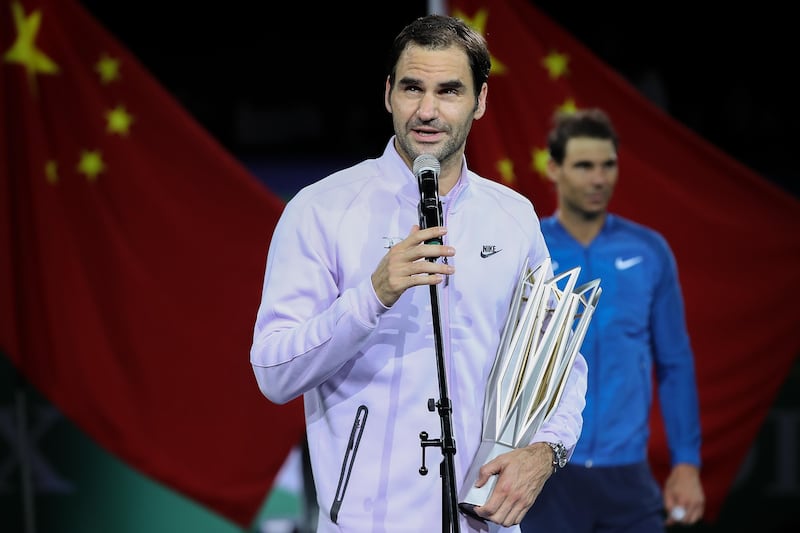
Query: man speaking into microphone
[345,315]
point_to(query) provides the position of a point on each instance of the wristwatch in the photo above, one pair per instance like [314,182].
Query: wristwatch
[559,455]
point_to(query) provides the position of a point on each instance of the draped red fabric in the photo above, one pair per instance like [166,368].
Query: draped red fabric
[735,234]
[132,249]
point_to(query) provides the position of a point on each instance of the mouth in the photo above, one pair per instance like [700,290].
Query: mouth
[427,134]
[596,201]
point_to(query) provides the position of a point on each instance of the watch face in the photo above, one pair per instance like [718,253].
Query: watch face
[562,456]
[559,454]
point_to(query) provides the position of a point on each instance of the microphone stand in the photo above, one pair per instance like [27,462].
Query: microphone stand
[447,443]
[426,169]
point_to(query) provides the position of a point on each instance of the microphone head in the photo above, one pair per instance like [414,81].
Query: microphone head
[426,162]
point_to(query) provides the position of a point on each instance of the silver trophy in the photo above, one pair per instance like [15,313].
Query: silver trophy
[543,333]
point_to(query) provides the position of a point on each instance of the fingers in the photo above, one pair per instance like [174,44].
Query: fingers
[684,499]
[415,244]
[521,474]
[411,263]
[413,248]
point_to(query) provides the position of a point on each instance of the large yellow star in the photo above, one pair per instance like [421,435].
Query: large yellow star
[506,169]
[24,50]
[539,160]
[557,65]
[91,163]
[118,121]
[108,69]
[478,23]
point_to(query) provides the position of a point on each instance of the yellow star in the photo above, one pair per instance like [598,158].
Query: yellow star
[51,172]
[569,106]
[478,23]
[539,160]
[118,120]
[506,169]
[108,69]
[557,65]
[91,164]
[24,50]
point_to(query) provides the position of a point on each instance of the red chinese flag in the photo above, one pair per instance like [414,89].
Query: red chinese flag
[735,235]
[132,249]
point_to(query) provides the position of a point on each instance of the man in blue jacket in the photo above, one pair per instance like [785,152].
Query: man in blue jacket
[638,330]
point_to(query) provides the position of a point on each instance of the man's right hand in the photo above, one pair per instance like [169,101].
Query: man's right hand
[406,264]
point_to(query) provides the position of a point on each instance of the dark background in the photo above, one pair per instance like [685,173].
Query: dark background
[303,79]
[305,82]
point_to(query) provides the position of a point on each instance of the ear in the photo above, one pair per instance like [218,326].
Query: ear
[386,94]
[480,107]
[552,170]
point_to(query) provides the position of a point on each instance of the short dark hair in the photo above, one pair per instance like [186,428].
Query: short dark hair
[437,32]
[593,123]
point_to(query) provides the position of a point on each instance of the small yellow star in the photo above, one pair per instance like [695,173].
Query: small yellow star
[557,65]
[506,169]
[478,23]
[24,51]
[118,121]
[539,160]
[569,106]
[51,171]
[91,164]
[108,69]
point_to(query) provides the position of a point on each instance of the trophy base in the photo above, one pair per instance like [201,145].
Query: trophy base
[469,510]
[472,496]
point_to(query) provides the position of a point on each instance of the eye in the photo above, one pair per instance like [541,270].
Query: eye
[451,89]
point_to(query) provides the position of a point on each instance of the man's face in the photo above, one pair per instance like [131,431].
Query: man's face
[433,103]
[585,180]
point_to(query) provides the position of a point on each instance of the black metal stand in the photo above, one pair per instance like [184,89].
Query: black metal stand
[447,443]
[426,168]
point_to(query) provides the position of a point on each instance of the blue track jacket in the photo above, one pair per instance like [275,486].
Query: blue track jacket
[637,328]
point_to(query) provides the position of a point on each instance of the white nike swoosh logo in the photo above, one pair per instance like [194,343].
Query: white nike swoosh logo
[625,264]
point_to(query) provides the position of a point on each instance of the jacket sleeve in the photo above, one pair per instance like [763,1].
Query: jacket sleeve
[306,328]
[674,366]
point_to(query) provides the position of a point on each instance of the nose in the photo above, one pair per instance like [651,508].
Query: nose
[428,107]
[600,174]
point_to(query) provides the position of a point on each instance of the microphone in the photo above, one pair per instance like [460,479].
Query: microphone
[426,169]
